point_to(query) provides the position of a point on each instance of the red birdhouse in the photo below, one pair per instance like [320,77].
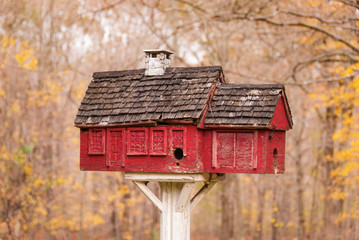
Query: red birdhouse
[181,120]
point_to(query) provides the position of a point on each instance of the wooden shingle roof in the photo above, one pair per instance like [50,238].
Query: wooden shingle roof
[246,105]
[191,94]
[130,96]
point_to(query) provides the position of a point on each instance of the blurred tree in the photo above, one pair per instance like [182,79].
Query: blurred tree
[50,48]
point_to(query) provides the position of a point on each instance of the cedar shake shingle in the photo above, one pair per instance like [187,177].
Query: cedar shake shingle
[243,104]
[181,93]
[130,96]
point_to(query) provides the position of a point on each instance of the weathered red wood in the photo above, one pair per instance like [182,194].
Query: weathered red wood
[97,138]
[225,150]
[216,151]
[137,141]
[158,141]
[280,119]
[275,152]
[234,127]
[244,156]
[178,139]
[185,148]
[115,146]
[255,150]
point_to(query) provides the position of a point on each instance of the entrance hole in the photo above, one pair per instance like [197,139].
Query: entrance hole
[178,153]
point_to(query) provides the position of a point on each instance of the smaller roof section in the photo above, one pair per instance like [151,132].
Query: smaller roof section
[242,105]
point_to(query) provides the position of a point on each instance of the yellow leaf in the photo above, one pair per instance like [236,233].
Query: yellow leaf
[15,108]
[7,41]
[38,182]
[27,169]
[96,220]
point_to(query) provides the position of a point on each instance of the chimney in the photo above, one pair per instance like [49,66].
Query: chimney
[157,61]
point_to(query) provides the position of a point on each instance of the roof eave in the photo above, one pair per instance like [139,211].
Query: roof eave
[287,109]
[129,124]
[234,126]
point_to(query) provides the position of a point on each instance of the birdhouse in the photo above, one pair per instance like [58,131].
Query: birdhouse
[181,120]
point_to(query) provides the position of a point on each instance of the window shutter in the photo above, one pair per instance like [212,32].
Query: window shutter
[158,142]
[137,141]
[115,148]
[97,139]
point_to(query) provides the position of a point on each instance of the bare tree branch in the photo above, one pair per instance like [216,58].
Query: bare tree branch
[306,25]
[319,18]
[323,80]
[350,3]
[195,6]
[269,19]
[108,7]
[326,57]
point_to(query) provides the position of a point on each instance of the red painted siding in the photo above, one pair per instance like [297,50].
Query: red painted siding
[137,139]
[97,138]
[235,151]
[184,149]
[158,141]
[275,152]
[143,150]
[115,148]
[280,119]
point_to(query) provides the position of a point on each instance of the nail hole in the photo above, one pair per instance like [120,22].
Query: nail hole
[275,153]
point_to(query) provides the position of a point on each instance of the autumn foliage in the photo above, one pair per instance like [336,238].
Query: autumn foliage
[49,50]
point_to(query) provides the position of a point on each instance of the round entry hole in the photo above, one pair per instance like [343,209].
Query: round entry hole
[178,153]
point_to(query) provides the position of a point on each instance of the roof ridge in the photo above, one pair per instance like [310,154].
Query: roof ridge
[204,68]
[109,74]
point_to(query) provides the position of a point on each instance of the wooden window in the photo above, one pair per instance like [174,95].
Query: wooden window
[178,139]
[115,145]
[234,150]
[158,142]
[97,138]
[137,141]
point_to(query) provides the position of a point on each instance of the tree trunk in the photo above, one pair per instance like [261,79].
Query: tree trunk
[299,185]
[227,226]
[81,212]
[238,221]
[259,222]
[274,213]
[329,204]
[126,215]
[114,223]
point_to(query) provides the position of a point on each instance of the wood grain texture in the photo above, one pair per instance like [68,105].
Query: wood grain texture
[176,198]
[280,120]
[212,151]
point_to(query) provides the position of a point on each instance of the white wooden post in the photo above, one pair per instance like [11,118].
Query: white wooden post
[176,200]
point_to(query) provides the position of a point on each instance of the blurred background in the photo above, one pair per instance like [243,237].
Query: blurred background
[49,50]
